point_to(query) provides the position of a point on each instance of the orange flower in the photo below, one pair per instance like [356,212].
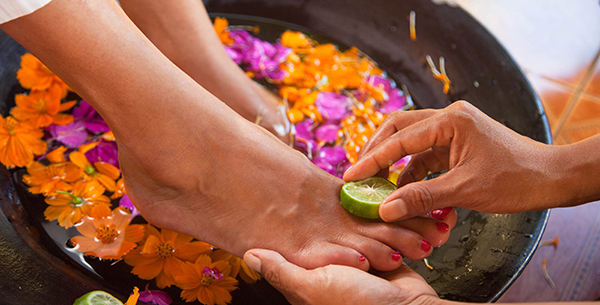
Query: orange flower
[41,108]
[57,155]
[133,298]
[36,76]
[107,234]
[221,27]
[48,179]
[296,41]
[238,266]
[102,172]
[163,255]
[206,281]
[19,143]
[70,207]
[119,190]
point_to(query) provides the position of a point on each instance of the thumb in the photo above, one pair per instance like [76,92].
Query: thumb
[280,273]
[419,198]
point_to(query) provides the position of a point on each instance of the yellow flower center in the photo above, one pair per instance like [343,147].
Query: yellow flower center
[40,106]
[9,124]
[90,170]
[207,280]
[107,234]
[53,171]
[165,250]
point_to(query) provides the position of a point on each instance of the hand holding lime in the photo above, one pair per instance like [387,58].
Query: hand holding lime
[363,198]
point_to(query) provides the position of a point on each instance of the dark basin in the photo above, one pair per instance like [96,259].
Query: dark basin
[485,253]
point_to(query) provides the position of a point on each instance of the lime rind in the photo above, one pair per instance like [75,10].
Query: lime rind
[97,297]
[363,198]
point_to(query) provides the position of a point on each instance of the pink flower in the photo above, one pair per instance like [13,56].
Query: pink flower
[86,114]
[155,297]
[71,135]
[334,107]
[105,151]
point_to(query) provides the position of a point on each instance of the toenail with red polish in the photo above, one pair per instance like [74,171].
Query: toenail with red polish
[362,259]
[396,256]
[425,245]
[440,214]
[442,227]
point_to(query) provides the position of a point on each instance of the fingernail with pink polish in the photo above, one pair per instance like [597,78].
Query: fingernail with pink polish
[442,227]
[425,245]
[362,258]
[440,214]
[396,256]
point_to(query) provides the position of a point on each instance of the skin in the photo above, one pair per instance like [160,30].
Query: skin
[333,284]
[484,159]
[491,168]
[182,30]
[193,165]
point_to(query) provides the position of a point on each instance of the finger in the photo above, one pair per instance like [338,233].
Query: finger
[413,139]
[419,167]
[421,197]
[281,274]
[394,122]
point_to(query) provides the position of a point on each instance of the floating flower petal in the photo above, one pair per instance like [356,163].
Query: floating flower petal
[197,285]
[107,234]
[19,143]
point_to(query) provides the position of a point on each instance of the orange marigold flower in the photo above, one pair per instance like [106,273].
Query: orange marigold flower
[163,255]
[70,207]
[107,234]
[206,281]
[36,76]
[42,108]
[221,27]
[48,179]
[238,266]
[102,172]
[57,155]
[19,143]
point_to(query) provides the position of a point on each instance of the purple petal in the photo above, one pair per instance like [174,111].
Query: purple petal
[71,135]
[326,167]
[214,273]
[332,155]
[155,297]
[234,55]
[83,111]
[126,203]
[327,132]
[106,151]
[395,103]
[304,130]
[402,162]
[378,81]
[333,106]
[96,125]
[89,116]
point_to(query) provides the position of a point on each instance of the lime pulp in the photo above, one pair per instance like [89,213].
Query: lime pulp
[363,198]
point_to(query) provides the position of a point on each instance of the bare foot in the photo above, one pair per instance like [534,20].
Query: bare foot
[256,192]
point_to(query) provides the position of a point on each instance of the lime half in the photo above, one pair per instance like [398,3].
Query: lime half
[97,298]
[362,198]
